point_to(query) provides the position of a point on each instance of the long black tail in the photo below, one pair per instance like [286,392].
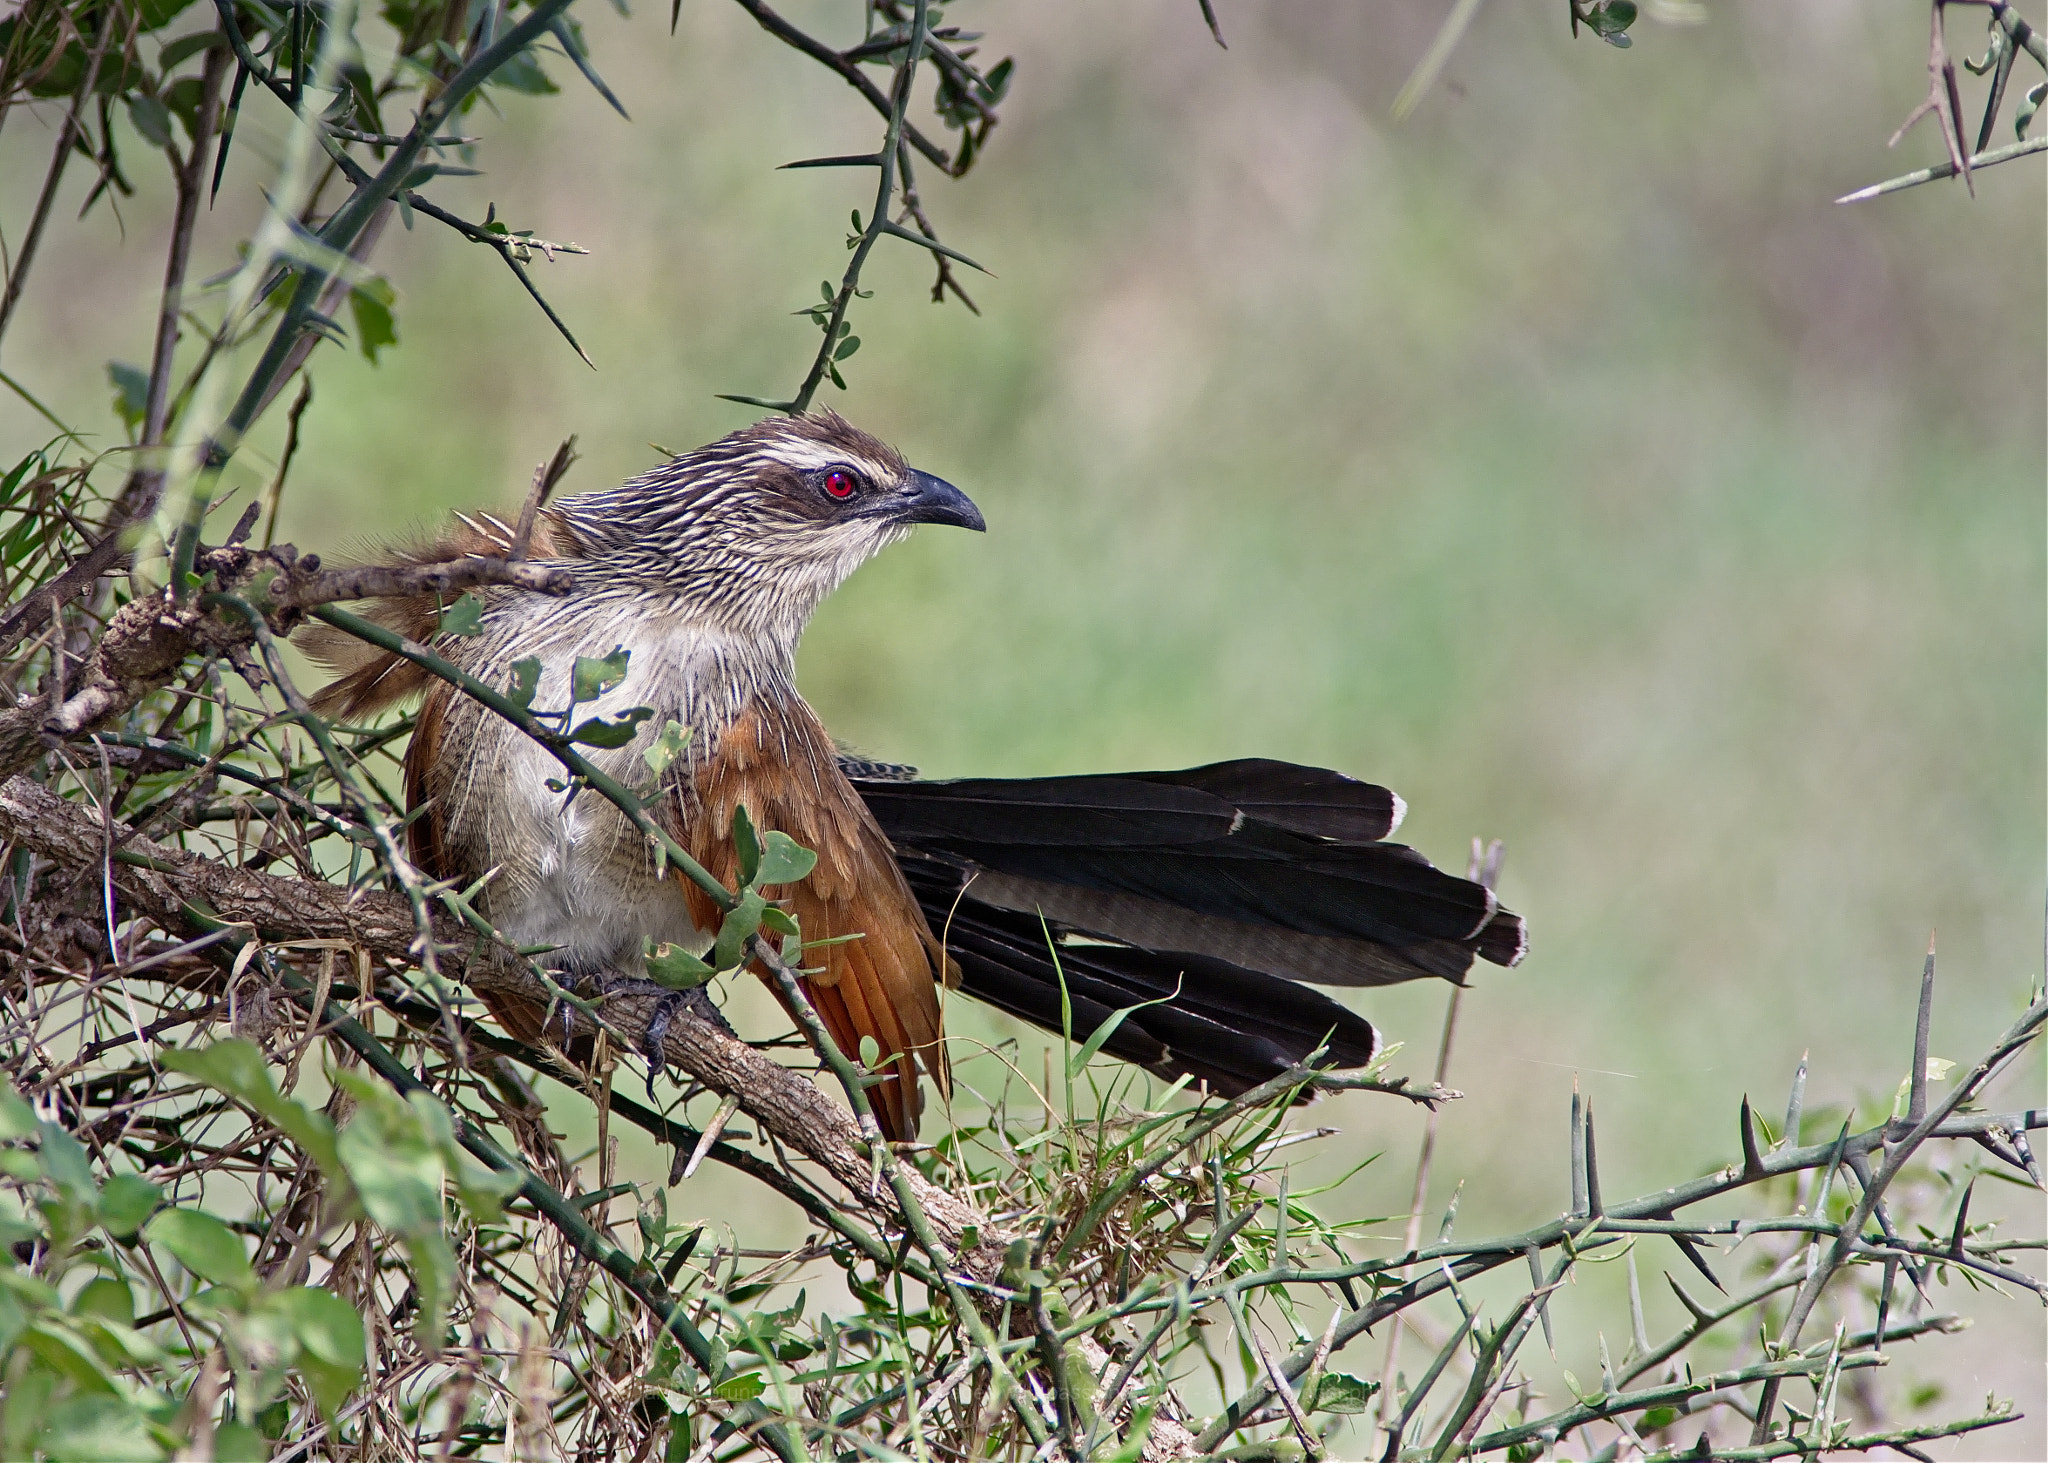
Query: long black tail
[1209,892]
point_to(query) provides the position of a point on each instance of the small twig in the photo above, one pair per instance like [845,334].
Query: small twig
[1310,1443]
[451,576]
[385,139]
[878,221]
[818,51]
[1941,100]
[1483,861]
[273,496]
[1611,1404]
[545,477]
[67,139]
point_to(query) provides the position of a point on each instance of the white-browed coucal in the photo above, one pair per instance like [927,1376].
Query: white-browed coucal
[1202,897]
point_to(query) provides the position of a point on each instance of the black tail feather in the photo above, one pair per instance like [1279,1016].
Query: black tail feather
[1191,901]
[1221,1024]
[1260,864]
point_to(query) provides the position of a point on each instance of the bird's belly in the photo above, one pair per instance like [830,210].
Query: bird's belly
[583,881]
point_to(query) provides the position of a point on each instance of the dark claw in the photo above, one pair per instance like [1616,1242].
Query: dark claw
[695,1002]
[657,1028]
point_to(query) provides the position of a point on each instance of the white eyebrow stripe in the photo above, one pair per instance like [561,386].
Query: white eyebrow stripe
[804,455]
[810,456]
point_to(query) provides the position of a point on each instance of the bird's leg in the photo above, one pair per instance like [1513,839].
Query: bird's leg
[604,981]
[695,1002]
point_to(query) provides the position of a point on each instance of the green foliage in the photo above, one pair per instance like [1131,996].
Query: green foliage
[676,968]
[1607,19]
[592,676]
[465,616]
[616,732]
[525,681]
[131,393]
[668,744]
[743,1388]
[373,305]
[400,1155]
[71,1369]
[783,860]
[203,1245]
[238,1069]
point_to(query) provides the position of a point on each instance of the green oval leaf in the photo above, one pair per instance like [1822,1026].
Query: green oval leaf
[465,616]
[325,1324]
[152,120]
[126,1202]
[98,1428]
[202,1244]
[107,1299]
[668,745]
[1340,1392]
[131,392]
[783,861]
[592,676]
[598,732]
[525,681]
[743,1388]
[17,1118]
[676,968]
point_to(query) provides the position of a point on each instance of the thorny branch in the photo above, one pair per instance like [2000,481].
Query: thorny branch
[967,100]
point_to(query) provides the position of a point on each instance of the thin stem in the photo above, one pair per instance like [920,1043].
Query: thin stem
[885,196]
[914,1217]
[1418,1196]
[138,495]
[1897,1154]
[67,139]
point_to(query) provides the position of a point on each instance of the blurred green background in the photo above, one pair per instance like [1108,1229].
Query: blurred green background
[1562,457]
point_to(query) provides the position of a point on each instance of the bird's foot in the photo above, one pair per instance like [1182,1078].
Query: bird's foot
[695,1002]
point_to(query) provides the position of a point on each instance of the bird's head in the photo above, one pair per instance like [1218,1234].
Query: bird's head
[758,527]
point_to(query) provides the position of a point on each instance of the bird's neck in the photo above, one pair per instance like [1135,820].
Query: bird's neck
[707,592]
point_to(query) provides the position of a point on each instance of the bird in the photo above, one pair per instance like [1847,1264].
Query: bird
[1192,913]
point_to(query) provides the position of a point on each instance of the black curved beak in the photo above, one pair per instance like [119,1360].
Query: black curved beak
[934,500]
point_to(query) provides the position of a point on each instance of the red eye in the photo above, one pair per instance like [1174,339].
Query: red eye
[839,484]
